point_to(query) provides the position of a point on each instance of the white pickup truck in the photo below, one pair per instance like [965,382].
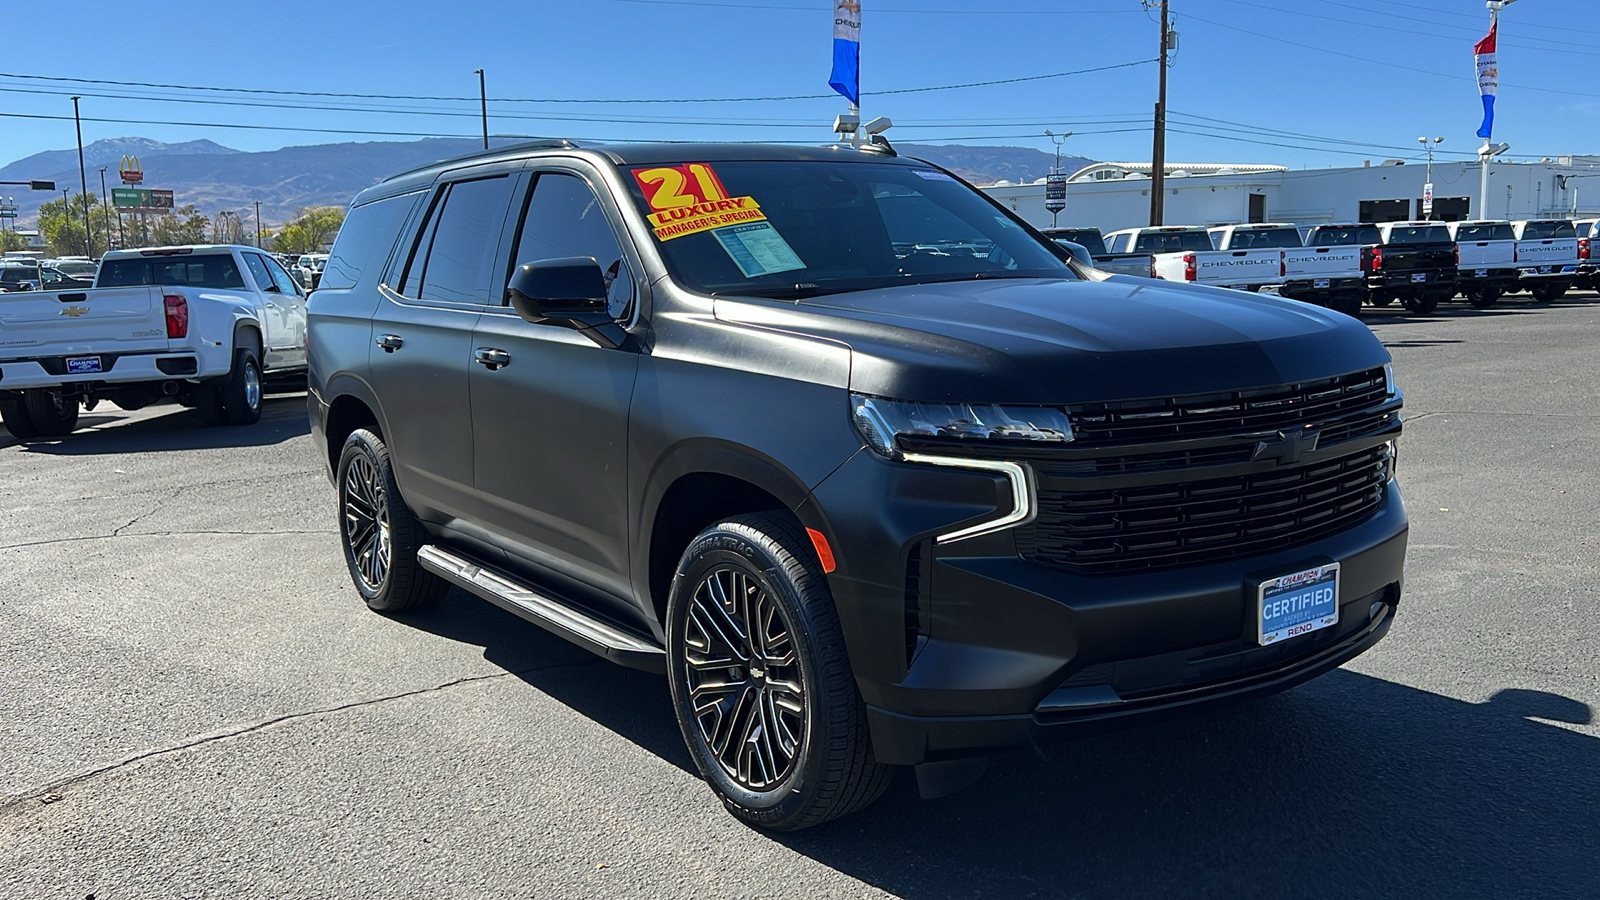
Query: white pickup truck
[1488,260]
[203,325]
[1221,257]
[1327,270]
[1547,255]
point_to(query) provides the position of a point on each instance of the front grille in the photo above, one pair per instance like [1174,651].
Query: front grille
[1170,525]
[1228,414]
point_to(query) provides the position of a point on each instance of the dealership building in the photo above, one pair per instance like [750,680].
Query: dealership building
[1116,195]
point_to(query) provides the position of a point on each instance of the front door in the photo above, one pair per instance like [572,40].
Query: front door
[550,426]
[276,334]
[422,343]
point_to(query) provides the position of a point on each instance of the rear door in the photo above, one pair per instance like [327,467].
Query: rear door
[431,298]
[550,425]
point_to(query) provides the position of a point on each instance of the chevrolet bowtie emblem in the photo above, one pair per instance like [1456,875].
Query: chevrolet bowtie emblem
[1287,447]
[75,311]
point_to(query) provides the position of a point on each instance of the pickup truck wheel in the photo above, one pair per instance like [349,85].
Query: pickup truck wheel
[760,682]
[1483,299]
[15,415]
[241,396]
[1422,304]
[52,414]
[1549,293]
[379,534]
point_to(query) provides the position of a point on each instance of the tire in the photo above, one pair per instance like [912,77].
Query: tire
[1422,304]
[15,414]
[1349,304]
[379,534]
[208,400]
[52,414]
[242,394]
[821,766]
[1483,299]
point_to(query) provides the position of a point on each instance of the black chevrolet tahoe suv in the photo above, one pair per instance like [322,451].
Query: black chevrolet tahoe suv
[862,462]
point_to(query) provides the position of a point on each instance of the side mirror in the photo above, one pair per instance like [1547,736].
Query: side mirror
[1079,252]
[570,292]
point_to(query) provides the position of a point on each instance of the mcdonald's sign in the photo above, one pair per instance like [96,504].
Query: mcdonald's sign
[131,171]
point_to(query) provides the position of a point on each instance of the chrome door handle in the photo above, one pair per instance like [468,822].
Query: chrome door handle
[391,342]
[491,358]
[270,306]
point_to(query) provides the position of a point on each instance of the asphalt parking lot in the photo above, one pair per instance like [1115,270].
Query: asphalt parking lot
[195,702]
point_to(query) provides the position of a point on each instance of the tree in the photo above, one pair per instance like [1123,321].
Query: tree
[311,231]
[227,229]
[10,240]
[184,225]
[61,223]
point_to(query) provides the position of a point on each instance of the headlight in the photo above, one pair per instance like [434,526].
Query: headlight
[881,422]
[1388,379]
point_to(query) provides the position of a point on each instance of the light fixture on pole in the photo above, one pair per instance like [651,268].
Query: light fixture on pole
[83,183]
[1427,189]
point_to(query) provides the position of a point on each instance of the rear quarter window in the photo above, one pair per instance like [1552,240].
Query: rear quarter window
[365,240]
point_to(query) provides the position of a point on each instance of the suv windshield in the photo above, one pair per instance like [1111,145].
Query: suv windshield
[789,229]
[18,274]
[1544,231]
[1419,234]
[215,270]
[1336,236]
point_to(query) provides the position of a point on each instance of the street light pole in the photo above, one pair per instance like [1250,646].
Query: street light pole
[83,183]
[483,100]
[105,205]
[1427,197]
[258,224]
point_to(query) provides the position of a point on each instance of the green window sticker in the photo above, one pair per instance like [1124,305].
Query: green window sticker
[758,249]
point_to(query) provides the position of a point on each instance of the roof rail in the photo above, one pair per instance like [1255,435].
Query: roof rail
[536,144]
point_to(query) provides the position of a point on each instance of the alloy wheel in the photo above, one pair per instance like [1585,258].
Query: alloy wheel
[366,522]
[745,686]
[252,387]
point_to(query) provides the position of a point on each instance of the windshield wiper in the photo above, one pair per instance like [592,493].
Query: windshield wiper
[794,292]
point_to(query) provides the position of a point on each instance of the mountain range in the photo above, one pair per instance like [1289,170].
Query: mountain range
[215,178]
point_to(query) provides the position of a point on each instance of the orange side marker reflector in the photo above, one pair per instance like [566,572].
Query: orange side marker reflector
[824,552]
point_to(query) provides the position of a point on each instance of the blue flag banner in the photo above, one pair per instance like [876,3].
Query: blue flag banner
[1488,78]
[846,78]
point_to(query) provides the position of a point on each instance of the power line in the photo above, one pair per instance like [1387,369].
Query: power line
[881,11]
[342,95]
[1391,28]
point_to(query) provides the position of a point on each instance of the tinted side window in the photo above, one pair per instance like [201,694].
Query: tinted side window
[410,281]
[258,271]
[564,218]
[123,273]
[465,240]
[365,240]
[285,283]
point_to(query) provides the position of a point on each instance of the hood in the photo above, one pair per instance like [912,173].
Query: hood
[1050,342]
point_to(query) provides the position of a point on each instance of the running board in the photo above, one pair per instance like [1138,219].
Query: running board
[592,634]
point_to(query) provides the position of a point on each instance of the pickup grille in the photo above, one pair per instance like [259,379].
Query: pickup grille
[1233,413]
[1199,521]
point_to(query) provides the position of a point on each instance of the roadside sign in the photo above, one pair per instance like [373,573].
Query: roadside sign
[141,198]
[42,186]
[161,200]
[1427,200]
[1055,193]
[8,210]
[131,171]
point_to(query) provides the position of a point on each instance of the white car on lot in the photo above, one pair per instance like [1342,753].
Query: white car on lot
[1221,257]
[203,325]
[1488,260]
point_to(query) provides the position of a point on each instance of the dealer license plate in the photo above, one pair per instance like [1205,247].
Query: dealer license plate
[1546,270]
[1416,279]
[1322,283]
[83,365]
[1297,604]
[1480,273]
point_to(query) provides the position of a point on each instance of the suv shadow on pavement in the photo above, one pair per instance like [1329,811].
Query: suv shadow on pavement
[1350,786]
[171,428]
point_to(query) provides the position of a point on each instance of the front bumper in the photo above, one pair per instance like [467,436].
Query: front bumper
[1553,272]
[116,368]
[965,648]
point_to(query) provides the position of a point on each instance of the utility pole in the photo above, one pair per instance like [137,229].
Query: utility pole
[483,99]
[1427,189]
[83,183]
[258,224]
[1158,156]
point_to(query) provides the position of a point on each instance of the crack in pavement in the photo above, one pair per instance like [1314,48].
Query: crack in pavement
[195,533]
[14,801]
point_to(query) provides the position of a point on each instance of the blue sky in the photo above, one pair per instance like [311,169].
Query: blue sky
[1277,81]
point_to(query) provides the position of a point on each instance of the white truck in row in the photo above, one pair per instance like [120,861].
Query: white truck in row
[200,325]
